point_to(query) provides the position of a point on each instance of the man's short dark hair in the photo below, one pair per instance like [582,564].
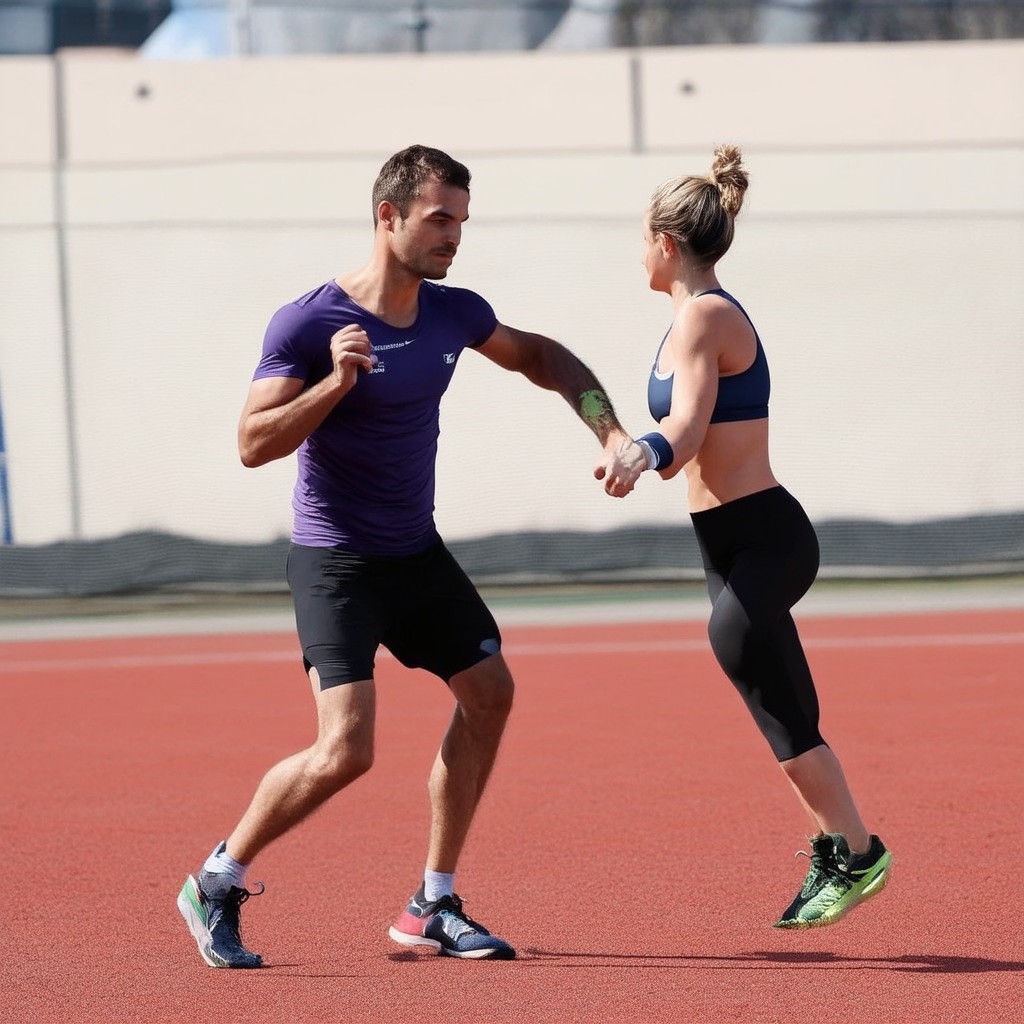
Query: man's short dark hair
[402,177]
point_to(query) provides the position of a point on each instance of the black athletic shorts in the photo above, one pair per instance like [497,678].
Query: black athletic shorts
[422,607]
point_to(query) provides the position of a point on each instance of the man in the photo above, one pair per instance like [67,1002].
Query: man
[351,378]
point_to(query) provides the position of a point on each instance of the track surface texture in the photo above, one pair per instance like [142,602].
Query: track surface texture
[635,843]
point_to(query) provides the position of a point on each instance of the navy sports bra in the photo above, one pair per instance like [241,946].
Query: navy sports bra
[741,396]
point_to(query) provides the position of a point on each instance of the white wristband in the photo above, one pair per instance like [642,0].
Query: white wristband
[649,453]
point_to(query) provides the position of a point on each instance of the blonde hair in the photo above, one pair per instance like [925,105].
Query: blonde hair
[699,212]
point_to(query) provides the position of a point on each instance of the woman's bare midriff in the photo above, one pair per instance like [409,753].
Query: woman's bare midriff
[732,463]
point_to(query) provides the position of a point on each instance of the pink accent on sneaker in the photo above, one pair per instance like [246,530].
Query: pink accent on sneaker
[410,924]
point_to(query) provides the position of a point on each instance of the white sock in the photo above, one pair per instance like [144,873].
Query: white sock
[219,863]
[437,884]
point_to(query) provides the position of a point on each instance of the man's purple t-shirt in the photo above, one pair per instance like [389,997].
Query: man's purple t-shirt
[366,474]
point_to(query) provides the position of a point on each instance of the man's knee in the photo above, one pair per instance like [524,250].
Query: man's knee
[345,742]
[487,688]
[338,763]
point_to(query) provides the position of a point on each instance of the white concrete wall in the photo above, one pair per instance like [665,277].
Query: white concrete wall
[31,360]
[880,252]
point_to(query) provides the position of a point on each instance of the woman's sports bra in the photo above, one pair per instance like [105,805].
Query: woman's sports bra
[741,396]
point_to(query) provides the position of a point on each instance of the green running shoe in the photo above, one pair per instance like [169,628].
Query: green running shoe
[837,881]
[214,923]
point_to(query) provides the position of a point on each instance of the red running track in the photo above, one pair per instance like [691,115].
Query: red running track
[635,843]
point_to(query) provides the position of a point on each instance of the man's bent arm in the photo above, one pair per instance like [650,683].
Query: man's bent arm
[278,416]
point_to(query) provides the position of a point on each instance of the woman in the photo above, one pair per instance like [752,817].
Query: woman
[708,390]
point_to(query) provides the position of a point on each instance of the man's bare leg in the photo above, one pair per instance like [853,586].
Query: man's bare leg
[464,762]
[457,780]
[287,794]
[299,784]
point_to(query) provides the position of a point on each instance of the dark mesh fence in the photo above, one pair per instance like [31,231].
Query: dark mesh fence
[855,549]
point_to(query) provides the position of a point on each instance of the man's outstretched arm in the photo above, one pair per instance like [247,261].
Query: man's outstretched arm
[550,365]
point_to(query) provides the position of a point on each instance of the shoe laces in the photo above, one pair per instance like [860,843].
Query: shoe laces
[231,904]
[452,906]
[823,866]
[240,896]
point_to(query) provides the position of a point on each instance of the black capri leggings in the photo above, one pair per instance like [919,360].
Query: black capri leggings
[760,557]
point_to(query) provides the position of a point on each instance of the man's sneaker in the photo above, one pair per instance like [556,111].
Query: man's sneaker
[837,881]
[214,923]
[444,926]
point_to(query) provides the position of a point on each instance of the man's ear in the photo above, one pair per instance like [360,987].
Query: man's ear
[388,214]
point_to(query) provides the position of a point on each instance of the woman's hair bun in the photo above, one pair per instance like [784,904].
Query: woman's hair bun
[730,178]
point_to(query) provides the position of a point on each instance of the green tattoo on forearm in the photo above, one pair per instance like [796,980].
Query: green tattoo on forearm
[594,406]
[596,411]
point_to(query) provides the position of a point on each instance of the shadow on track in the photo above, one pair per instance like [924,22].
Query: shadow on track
[924,963]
